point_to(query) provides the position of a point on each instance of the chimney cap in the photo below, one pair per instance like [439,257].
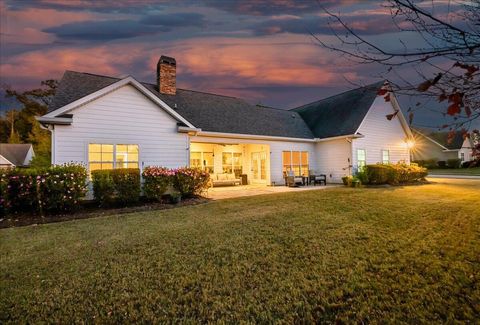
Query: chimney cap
[167,60]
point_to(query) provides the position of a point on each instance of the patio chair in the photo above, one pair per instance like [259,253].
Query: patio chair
[293,181]
[319,179]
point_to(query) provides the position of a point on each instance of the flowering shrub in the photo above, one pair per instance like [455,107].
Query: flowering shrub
[190,181]
[156,181]
[116,185]
[394,173]
[54,189]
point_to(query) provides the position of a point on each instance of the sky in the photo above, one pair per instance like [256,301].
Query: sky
[261,51]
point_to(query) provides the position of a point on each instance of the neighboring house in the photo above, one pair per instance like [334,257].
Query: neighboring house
[15,155]
[435,145]
[107,122]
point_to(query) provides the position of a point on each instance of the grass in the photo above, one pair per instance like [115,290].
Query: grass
[458,171]
[407,254]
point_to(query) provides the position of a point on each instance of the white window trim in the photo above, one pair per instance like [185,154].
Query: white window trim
[388,154]
[365,154]
[300,165]
[114,152]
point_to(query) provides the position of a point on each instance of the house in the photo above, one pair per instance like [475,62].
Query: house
[107,122]
[436,146]
[15,155]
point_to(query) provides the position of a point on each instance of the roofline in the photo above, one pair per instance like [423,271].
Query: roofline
[7,160]
[116,85]
[427,137]
[251,136]
[353,136]
[54,120]
[343,92]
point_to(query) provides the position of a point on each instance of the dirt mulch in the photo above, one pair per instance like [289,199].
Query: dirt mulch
[90,210]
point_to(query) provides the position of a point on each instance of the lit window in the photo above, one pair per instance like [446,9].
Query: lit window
[385,156]
[232,163]
[296,161]
[361,158]
[109,156]
[126,156]
[100,156]
[202,160]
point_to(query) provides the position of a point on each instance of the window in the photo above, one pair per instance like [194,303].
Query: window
[202,160]
[385,156]
[109,156]
[462,156]
[296,161]
[232,163]
[126,156]
[361,158]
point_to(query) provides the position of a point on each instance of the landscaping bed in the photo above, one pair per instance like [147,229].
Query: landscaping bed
[90,209]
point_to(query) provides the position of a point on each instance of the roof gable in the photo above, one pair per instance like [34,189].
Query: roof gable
[341,114]
[15,153]
[209,112]
[441,138]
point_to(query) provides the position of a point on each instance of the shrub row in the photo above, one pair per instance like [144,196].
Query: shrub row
[392,174]
[434,163]
[120,185]
[123,185]
[42,190]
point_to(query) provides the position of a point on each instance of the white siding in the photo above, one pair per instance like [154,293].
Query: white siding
[276,149]
[124,116]
[334,158]
[466,150]
[381,134]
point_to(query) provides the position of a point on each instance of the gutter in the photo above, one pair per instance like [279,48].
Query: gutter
[54,120]
[251,136]
[349,136]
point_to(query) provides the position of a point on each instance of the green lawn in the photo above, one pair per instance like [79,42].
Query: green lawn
[459,171]
[407,254]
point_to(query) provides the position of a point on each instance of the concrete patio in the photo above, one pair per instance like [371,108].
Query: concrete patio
[227,192]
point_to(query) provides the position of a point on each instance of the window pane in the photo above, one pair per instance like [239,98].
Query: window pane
[208,161]
[361,154]
[295,157]
[107,156]
[304,157]
[287,158]
[95,156]
[122,148]
[121,164]
[133,149]
[195,159]
[132,165]
[95,166]
[92,147]
[107,165]
[107,147]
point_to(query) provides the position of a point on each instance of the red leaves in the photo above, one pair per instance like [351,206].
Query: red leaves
[456,100]
[453,109]
[387,98]
[382,91]
[451,136]
[468,111]
[391,116]
[471,69]
[424,86]
[442,97]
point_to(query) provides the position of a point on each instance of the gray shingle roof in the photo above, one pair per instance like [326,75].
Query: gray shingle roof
[15,153]
[442,138]
[210,112]
[340,114]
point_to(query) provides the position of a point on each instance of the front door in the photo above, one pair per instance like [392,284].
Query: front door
[259,167]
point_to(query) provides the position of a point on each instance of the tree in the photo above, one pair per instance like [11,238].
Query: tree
[23,127]
[446,64]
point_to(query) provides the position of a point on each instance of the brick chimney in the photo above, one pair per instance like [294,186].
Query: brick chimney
[166,75]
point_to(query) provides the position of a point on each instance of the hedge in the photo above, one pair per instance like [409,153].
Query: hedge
[42,190]
[116,186]
[190,181]
[156,181]
[393,173]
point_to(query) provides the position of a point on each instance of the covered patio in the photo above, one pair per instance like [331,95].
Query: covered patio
[244,163]
[219,193]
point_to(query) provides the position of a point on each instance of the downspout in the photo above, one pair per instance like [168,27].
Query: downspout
[51,128]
